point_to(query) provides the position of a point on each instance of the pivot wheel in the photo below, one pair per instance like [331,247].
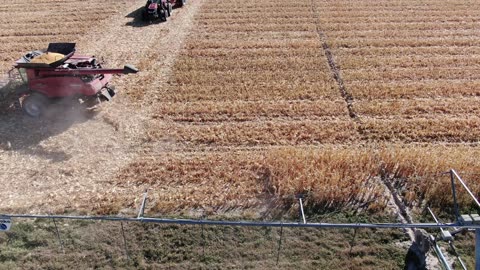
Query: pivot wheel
[35,104]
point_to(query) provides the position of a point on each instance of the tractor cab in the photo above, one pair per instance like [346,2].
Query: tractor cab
[157,9]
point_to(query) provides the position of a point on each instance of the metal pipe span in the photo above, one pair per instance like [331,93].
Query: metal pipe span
[248,223]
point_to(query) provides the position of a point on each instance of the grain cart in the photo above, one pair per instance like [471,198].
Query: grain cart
[58,72]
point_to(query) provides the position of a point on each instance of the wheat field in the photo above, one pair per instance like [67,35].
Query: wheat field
[262,91]
[262,101]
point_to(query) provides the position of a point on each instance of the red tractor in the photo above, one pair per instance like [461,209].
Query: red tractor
[57,73]
[160,9]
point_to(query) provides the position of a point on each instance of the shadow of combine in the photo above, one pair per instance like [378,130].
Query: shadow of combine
[24,134]
[138,20]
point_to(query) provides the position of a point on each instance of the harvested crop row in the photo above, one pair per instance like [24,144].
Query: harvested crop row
[255,43]
[388,20]
[239,64]
[279,38]
[401,11]
[27,43]
[413,74]
[200,77]
[257,133]
[249,6]
[401,42]
[438,31]
[434,129]
[387,51]
[12,34]
[209,111]
[255,27]
[371,90]
[420,107]
[410,61]
[301,14]
[254,52]
[280,90]
[219,20]
[415,27]
[76,9]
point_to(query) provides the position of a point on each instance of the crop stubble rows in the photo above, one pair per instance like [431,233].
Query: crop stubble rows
[412,70]
[253,114]
[254,110]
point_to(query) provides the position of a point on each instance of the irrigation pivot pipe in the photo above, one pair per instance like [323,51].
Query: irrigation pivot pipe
[443,260]
[477,230]
[477,249]
[465,186]
[250,223]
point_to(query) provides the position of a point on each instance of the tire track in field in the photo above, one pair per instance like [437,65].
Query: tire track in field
[347,96]
[395,202]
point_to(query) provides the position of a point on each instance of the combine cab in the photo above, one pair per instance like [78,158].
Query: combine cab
[58,72]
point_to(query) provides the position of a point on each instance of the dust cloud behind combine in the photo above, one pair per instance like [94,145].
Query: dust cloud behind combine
[63,161]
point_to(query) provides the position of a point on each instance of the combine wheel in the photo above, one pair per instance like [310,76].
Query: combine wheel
[35,104]
[181,3]
[169,9]
[162,14]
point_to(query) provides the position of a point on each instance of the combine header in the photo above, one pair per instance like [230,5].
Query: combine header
[58,72]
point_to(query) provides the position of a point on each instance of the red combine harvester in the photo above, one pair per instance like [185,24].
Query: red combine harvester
[160,9]
[58,72]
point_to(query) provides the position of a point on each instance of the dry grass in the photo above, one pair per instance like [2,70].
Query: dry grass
[241,180]
[332,178]
[342,174]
